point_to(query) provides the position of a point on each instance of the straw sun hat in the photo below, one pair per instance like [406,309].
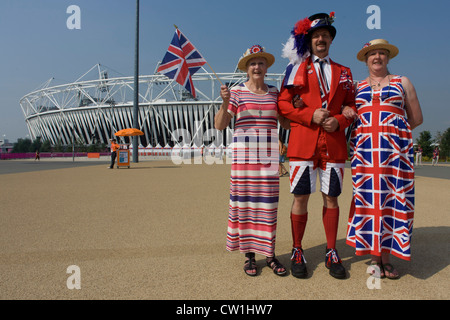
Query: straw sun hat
[255,51]
[377,44]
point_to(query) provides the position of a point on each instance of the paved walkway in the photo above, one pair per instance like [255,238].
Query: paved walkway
[157,231]
[441,171]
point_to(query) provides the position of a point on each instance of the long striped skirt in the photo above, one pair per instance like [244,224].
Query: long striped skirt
[252,219]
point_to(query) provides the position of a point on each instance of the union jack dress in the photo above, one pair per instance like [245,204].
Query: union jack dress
[382,209]
[254,182]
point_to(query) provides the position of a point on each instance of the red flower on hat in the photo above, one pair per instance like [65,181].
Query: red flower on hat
[302,26]
[256,48]
[332,14]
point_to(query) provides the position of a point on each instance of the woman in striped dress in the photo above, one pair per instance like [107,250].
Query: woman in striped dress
[254,183]
[382,209]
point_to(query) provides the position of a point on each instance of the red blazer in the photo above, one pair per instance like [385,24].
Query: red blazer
[304,133]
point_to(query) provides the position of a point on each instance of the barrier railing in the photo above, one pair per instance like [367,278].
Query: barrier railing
[32,155]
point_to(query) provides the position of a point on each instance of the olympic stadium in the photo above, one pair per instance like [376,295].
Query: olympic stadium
[99,103]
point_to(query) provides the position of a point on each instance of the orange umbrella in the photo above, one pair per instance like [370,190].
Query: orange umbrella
[129,132]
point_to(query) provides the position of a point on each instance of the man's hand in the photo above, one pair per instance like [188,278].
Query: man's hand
[330,124]
[297,101]
[320,115]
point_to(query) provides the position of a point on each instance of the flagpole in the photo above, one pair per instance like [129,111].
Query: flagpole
[136,88]
[214,73]
[176,27]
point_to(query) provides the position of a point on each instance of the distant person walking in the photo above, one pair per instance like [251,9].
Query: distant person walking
[435,156]
[37,156]
[419,155]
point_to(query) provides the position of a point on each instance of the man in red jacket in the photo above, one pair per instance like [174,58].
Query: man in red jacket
[317,139]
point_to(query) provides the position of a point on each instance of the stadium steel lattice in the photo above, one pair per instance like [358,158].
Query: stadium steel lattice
[91,111]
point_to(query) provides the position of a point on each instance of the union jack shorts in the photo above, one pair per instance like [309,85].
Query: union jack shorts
[303,176]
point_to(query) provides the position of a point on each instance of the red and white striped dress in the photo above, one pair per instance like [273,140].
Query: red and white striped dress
[254,183]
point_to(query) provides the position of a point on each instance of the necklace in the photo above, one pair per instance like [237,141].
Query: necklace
[378,82]
[383,96]
[258,91]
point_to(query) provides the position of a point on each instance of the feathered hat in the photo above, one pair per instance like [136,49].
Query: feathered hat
[297,48]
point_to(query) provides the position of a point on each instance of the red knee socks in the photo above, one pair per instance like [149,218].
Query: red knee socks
[330,217]
[298,225]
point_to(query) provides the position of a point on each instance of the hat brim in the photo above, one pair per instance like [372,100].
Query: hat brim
[393,50]
[242,65]
[331,29]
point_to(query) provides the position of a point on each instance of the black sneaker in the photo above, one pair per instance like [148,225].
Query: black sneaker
[298,265]
[334,264]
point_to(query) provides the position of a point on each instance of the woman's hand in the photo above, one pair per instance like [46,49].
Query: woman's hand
[222,118]
[349,113]
[225,94]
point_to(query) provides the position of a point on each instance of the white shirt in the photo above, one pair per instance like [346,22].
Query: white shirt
[326,67]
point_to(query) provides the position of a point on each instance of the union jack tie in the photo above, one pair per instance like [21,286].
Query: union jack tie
[323,84]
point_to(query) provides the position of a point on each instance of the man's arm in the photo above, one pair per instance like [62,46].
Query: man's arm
[348,110]
[299,113]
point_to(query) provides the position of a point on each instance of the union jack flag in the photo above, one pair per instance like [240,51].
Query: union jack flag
[181,61]
[382,210]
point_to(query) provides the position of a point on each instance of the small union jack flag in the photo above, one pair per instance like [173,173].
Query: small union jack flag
[181,61]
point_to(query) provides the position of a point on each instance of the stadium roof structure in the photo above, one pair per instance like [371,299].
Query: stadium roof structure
[98,104]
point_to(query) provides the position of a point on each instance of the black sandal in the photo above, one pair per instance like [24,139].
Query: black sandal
[250,267]
[393,273]
[276,266]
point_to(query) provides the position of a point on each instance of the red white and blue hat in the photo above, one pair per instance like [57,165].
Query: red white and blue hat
[322,20]
[255,51]
[297,48]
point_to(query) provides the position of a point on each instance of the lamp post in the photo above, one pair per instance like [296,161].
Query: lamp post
[136,87]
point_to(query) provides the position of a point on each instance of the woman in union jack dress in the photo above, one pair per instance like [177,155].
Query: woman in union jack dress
[382,209]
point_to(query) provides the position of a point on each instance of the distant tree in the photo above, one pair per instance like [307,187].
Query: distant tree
[78,145]
[425,142]
[445,144]
[36,145]
[22,145]
[26,145]
[46,146]
[97,147]
[59,147]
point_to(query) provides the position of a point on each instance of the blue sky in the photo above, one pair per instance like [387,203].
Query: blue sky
[36,44]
